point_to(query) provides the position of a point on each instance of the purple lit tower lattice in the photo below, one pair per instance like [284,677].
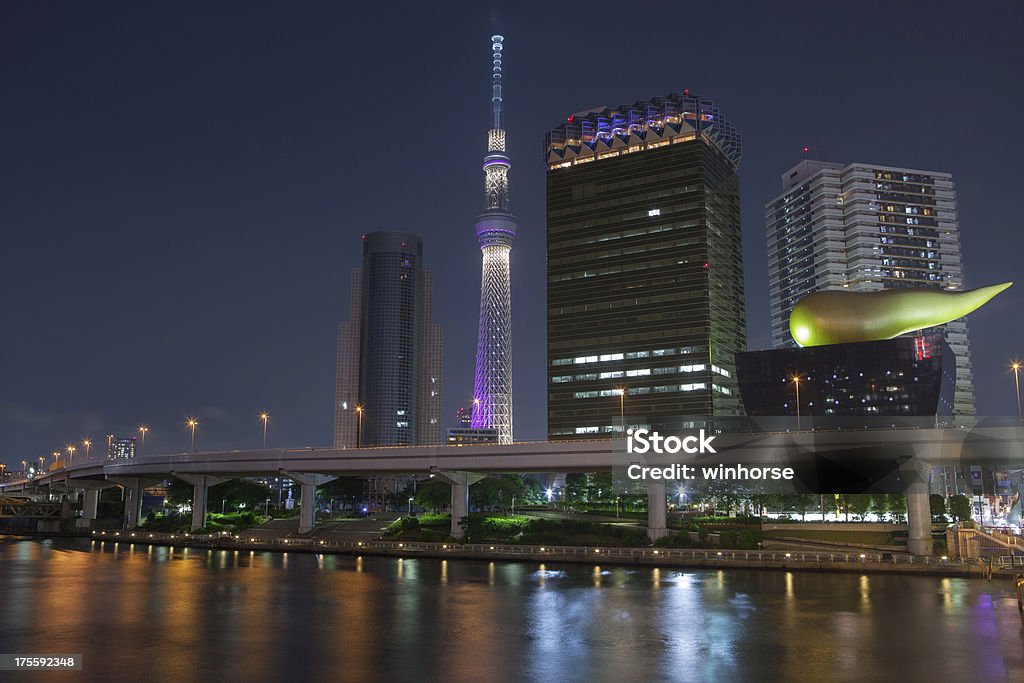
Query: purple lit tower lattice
[496,230]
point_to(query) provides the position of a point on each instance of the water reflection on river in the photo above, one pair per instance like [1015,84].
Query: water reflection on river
[149,612]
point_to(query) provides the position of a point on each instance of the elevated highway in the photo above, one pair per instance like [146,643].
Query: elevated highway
[912,450]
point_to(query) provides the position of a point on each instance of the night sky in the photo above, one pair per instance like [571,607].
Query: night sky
[185,184]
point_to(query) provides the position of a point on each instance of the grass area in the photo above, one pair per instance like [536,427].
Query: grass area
[235,521]
[519,529]
[432,519]
[836,536]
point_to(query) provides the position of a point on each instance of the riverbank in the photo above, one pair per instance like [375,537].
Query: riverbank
[777,560]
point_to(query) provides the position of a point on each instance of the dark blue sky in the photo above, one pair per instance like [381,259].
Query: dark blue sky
[184,185]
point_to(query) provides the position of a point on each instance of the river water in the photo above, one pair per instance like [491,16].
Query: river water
[145,613]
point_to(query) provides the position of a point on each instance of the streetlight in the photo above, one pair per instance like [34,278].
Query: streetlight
[796,383]
[87,443]
[410,506]
[24,466]
[1015,366]
[264,416]
[223,502]
[616,506]
[359,428]
[142,430]
[192,423]
[71,453]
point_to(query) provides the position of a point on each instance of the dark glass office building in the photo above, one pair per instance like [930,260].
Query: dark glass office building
[906,376]
[389,352]
[645,274]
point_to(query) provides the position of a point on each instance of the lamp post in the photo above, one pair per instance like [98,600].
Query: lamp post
[1015,366]
[410,506]
[223,502]
[616,506]
[264,416]
[88,444]
[266,508]
[796,383]
[24,466]
[142,430]
[359,427]
[192,424]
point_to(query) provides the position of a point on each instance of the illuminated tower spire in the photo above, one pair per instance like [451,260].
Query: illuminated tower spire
[495,230]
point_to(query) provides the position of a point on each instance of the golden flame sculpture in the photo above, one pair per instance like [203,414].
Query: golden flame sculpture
[838,317]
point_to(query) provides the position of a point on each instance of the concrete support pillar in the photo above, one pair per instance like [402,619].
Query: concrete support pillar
[90,507]
[133,504]
[460,508]
[919,512]
[919,521]
[307,509]
[307,501]
[132,496]
[199,490]
[200,485]
[460,481]
[657,510]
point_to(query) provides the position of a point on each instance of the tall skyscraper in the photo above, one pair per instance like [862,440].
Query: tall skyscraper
[496,230]
[389,352]
[864,227]
[645,269]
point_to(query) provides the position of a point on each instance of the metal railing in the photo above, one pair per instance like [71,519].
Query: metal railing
[538,552]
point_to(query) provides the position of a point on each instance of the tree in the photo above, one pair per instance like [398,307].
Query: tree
[236,492]
[179,493]
[348,490]
[880,505]
[801,502]
[859,503]
[897,504]
[576,487]
[434,495]
[960,508]
[938,506]
[601,487]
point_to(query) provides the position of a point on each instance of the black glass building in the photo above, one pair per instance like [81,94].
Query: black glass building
[389,352]
[645,273]
[906,376]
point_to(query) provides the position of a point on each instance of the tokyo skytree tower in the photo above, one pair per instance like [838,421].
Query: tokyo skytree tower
[496,231]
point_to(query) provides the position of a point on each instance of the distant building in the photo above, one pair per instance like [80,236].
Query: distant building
[464,417]
[863,227]
[388,389]
[645,298]
[463,435]
[906,376]
[118,448]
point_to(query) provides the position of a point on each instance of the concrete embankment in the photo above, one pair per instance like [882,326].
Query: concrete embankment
[824,561]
